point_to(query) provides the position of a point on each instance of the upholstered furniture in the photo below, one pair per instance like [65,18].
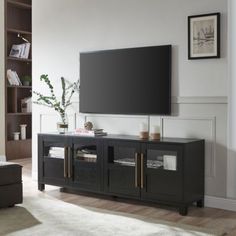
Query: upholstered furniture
[10,184]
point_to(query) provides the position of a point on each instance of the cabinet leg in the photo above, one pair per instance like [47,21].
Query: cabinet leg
[183,210]
[41,187]
[200,203]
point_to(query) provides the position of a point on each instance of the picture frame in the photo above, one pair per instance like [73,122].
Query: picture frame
[204,36]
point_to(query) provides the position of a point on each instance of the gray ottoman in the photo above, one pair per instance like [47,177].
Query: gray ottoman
[10,184]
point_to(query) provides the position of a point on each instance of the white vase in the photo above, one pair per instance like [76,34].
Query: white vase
[16,135]
[23,131]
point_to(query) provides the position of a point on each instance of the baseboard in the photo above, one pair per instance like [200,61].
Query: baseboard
[221,203]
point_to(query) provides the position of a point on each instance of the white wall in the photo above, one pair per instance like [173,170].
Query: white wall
[61,29]
[231,173]
[2,84]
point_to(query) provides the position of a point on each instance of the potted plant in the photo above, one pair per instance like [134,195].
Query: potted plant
[59,105]
[26,80]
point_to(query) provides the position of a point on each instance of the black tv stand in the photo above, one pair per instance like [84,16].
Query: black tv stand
[169,171]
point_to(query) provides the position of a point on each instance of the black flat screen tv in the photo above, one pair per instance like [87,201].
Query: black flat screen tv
[126,81]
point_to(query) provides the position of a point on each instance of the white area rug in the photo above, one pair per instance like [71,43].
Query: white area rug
[44,216]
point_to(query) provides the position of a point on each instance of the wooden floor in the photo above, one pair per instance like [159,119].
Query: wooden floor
[220,220]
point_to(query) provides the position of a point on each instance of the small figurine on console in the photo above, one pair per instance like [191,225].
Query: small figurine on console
[88,125]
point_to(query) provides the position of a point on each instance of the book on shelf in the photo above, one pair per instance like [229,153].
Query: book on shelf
[90,133]
[86,156]
[20,50]
[56,152]
[13,78]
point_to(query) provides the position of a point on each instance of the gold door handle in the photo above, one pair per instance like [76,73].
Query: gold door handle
[69,162]
[142,173]
[65,162]
[136,170]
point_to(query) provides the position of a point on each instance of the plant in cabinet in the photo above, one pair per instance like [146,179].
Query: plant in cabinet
[59,105]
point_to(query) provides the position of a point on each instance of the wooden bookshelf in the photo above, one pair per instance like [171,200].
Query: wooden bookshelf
[18,22]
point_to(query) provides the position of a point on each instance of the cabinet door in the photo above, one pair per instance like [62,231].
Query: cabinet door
[53,160]
[121,173]
[86,164]
[161,172]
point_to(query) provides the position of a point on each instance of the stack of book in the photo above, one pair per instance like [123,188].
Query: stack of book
[56,152]
[13,78]
[90,133]
[86,156]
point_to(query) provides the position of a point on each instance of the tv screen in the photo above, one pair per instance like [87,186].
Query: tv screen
[126,81]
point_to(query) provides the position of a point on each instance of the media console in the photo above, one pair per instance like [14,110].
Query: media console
[168,171]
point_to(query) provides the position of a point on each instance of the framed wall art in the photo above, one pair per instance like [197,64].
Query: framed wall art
[204,36]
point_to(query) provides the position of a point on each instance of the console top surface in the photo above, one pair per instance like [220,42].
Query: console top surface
[125,138]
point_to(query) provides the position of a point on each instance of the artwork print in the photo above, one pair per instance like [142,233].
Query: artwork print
[204,36]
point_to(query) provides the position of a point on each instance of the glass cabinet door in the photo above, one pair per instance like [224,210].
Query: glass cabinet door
[161,175]
[122,168]
[86,163]
[122,155]
[55,159]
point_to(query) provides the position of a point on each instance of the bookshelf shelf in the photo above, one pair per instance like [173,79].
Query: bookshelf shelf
[19,59]
[19,141]
[19,87]
[19,4]
[18,30]
[19,114]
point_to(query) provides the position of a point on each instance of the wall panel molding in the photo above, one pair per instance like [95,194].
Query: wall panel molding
[200,100]
[210,142]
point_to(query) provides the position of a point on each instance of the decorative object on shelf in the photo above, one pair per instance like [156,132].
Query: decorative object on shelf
[26,80]
[26,105]
[23,38]
[88,125]
[143,131]
[62,126]
[16,135]
[169,162]
[204,36]
[23,131]
[20,50]
[155,132]
[60,106]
